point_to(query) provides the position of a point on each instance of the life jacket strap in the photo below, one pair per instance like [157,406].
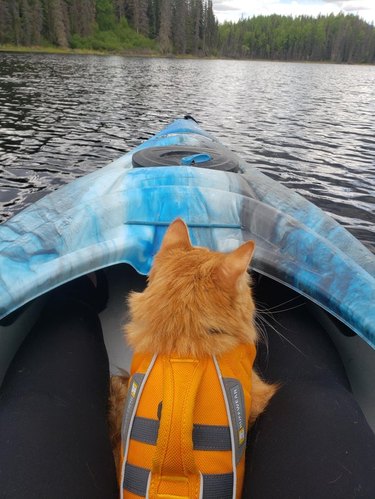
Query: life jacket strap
[174,466]
[205,437]
[214,485]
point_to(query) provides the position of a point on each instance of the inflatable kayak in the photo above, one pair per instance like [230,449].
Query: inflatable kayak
[118,215]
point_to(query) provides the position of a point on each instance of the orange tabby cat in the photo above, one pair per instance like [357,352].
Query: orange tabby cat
[197,305]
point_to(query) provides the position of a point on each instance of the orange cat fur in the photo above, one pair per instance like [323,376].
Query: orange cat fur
[197,303]
[116,403]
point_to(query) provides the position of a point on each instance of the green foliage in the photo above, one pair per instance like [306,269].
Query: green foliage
[79,42]
[129,38]
[105,15]
[121,38]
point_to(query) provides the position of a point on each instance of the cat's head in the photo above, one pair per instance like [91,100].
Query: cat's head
[198,302]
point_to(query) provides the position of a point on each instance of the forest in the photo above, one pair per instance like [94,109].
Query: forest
[183,27]
[334,38]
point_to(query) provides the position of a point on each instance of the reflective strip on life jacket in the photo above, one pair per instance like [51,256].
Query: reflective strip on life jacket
[138,381]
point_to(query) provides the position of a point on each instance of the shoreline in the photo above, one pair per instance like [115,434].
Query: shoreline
[20,49]
[122,53]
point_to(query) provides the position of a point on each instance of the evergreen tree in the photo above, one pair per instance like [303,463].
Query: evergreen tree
[82,15]
[36,22]
[211,28]
[120,8]
[165,31]
[16,22]
[198,27]
[56,24]
[140,17]
[105,14]
[24,14]
[154,18]
[4,21]
[179,26]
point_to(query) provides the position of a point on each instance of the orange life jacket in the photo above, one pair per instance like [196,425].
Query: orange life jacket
[185,426]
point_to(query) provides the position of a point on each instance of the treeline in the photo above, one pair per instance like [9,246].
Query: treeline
[184,27]
[334,38]
[179,26]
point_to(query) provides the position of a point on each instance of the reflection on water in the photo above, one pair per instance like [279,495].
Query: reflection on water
[310,126]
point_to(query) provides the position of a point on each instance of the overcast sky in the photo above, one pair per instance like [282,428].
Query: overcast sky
[231,10]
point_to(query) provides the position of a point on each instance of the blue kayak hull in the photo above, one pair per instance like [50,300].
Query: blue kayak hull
[119,214]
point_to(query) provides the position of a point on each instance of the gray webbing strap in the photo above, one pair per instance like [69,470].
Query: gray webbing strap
[214,486]
[145,430]
[205,437]
[218,486]
[136,479]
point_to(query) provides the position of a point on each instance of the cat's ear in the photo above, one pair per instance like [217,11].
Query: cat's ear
[177,235]
[236,263]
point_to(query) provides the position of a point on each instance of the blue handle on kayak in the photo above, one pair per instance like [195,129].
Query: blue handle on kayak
[196,159]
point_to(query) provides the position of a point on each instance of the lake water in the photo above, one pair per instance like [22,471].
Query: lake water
[310,126]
